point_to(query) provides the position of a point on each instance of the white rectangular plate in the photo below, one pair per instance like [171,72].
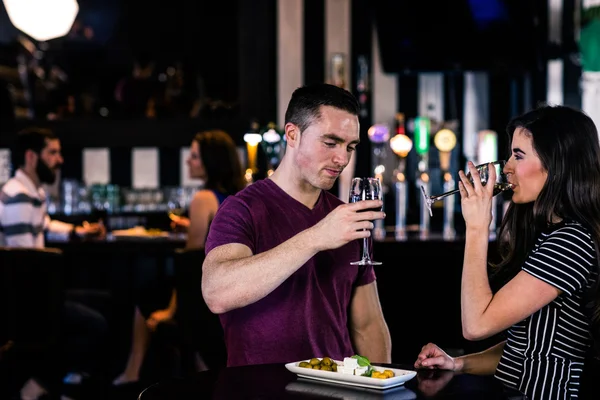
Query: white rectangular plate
[401,376]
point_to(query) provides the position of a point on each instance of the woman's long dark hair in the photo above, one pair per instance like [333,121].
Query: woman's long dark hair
[566,141]
[221,162]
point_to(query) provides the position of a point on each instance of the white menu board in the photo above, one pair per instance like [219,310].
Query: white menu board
[96,166]
[145,168]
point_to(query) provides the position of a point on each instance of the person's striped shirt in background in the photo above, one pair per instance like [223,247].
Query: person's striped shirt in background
[24,216]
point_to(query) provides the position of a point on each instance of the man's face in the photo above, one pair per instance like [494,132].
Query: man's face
[49,162]
[324,148]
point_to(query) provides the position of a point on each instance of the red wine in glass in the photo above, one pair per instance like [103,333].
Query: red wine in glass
[365,189]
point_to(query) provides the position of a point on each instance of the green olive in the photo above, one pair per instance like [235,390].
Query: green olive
[315,361]
[304,364]
[326,361]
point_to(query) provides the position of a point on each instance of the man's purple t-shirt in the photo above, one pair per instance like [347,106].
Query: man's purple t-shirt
[307,315]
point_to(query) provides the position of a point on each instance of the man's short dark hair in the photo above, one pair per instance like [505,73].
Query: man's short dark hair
[33,138]
[305,105]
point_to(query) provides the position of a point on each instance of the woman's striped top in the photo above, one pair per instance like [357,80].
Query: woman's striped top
[544,354]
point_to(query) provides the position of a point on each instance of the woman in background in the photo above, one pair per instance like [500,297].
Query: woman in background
[214,159]
[544,292]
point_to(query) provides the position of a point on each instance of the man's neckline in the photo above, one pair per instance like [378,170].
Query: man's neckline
[315,206]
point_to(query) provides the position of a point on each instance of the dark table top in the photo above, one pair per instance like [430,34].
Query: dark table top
[274,381]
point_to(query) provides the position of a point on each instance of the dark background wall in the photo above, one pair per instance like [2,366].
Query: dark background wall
[231,44]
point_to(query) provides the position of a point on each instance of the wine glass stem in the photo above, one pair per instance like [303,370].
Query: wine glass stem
[366,255]
[441,196]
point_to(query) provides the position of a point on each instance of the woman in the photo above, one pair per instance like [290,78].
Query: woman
[545,288]
[214,159]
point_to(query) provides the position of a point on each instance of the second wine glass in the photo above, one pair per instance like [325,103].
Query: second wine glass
[500,185]
[366,189]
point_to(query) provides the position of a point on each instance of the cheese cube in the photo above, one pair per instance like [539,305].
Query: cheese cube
[345,370]
[360,370]
[350,362]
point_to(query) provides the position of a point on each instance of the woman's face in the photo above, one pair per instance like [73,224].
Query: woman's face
[524,168]
[194,162]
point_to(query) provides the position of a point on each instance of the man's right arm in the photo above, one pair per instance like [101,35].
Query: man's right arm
[233,277]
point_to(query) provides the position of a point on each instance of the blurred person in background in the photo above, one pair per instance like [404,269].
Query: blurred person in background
[23,220]
[214,159]
[23,209]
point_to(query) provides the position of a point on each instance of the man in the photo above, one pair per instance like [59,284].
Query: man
[278,254]
[23,220]
[23,209]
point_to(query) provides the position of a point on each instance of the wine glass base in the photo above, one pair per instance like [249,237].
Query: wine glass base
[366,262]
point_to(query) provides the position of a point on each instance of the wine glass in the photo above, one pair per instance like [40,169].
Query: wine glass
[500,185]
[176,209]
[365,189]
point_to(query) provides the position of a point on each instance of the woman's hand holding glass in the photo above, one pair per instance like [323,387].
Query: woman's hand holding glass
[179,223]
[501,182]
[476,198]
